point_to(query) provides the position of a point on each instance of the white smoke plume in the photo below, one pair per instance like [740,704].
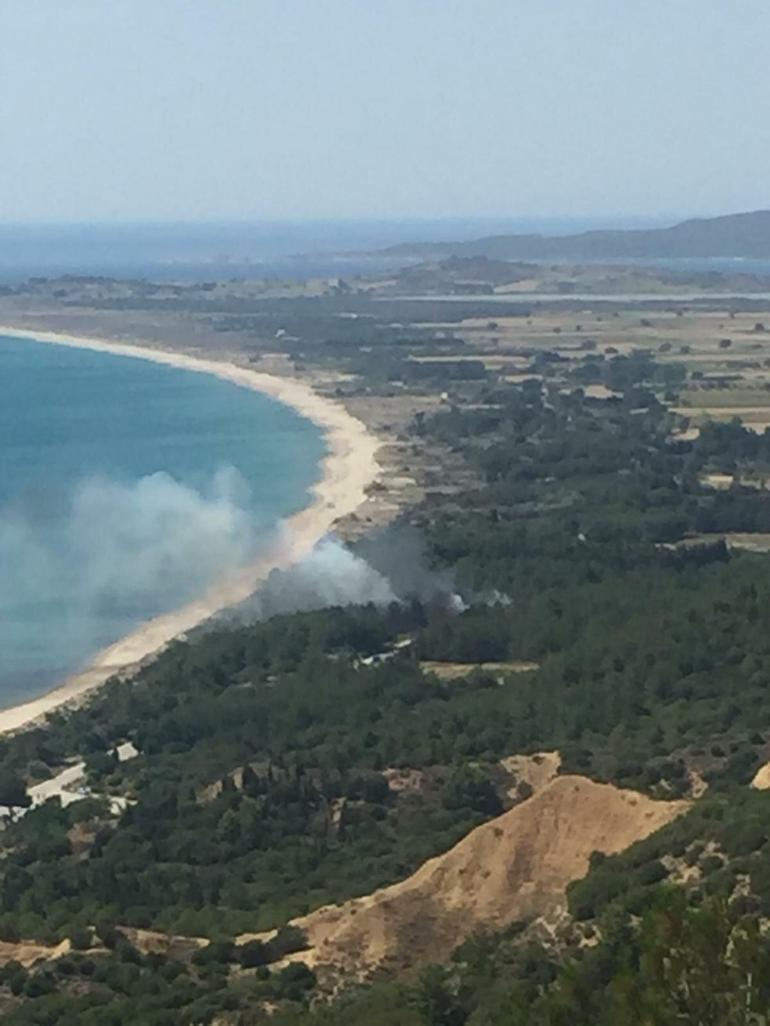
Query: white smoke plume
[158,537]
[74,578]
[330,576]
[389,566]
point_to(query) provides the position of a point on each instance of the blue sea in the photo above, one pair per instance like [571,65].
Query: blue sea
[126,488]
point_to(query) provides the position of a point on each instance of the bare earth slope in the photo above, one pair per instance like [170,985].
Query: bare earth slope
[513,867]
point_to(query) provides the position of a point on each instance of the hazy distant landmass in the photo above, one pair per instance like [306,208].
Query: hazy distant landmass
[745,235]
[207,251]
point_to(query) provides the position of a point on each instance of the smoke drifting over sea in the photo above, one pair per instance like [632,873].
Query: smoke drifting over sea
[80,572]
[114,553]
[159,537]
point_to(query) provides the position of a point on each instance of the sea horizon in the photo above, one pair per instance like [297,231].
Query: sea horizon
[190,251]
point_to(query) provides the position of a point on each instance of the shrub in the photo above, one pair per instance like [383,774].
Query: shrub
[107,934]
[17,980]
[218,952]
[652,872]
[252,954]
[288,940]
[80,938]
[39,984]
[468,788]
[295,981]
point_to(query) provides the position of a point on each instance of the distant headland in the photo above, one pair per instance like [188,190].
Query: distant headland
[744,235]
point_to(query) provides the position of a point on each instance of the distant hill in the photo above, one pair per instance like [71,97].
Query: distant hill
[733,235]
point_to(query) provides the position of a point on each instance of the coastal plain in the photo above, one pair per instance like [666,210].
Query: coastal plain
[362,811]
[465,313]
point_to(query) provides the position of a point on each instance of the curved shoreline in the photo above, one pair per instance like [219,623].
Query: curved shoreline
[349,466]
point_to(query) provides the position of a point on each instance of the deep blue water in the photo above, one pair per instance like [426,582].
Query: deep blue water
[126,487]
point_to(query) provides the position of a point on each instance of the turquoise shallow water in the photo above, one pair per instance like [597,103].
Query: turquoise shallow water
[126,487]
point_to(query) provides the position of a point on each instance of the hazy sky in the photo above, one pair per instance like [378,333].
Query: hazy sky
[180,109]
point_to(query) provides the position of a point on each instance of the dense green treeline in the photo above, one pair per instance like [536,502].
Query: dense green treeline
[636,692]
[701,964]
[264,783]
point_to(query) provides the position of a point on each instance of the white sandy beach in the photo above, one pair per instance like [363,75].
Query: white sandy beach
[346,471]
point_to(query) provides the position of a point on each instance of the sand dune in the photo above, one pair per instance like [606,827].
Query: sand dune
[28,953]
[346,471]
[515,866]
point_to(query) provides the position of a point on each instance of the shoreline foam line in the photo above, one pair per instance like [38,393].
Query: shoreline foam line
[349,466]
